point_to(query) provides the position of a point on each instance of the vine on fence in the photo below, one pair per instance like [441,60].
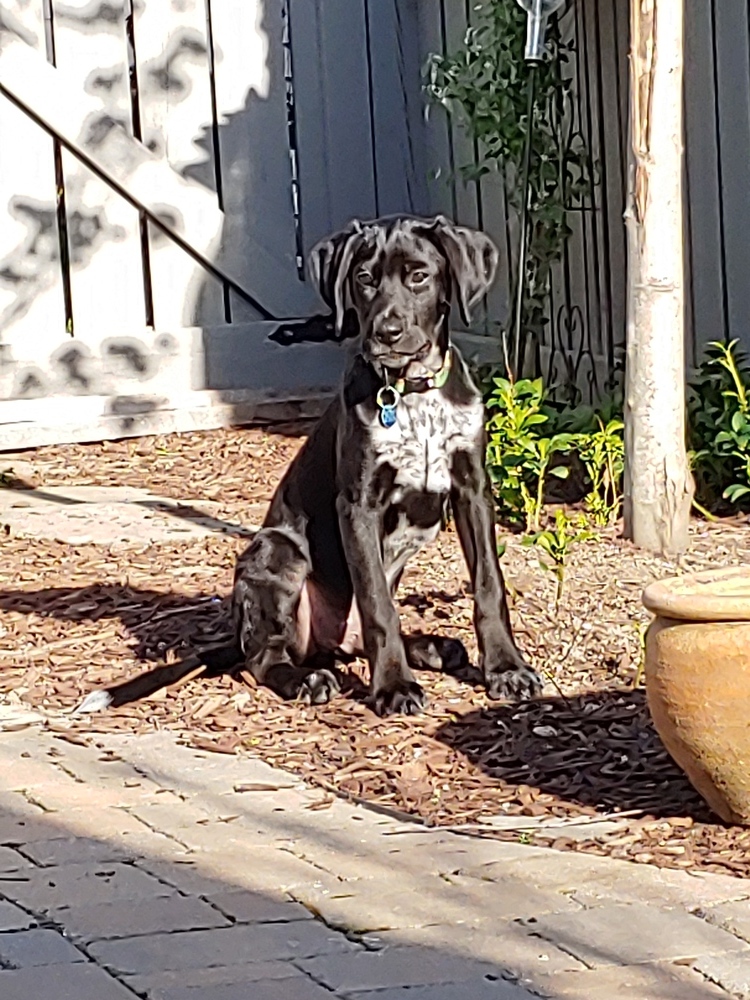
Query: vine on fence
[483,86]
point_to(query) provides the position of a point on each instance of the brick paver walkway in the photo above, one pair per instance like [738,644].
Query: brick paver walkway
[137,867]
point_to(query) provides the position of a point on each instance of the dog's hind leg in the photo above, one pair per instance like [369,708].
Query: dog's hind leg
[272,618]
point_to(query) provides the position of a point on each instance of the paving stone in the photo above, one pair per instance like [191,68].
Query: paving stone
[36,947]
[362,906]
[374,852]
[482,989]
[155,985]
[350,857]
[503,944]
[159,758]
[590,880]
[123,919]
[635,982]
[356,861]
[449,852]
[111,772]
[21,829]
[12,861]
[104,515]
[32,771]
[255,907]
[733,917]
[196,829]
[624,934]
[409,966]
[75,850]
[184,872]
[14,805]
[268,989]
[107,823]
[264,869]
[58,793]
[45,889]
[730,972]
[14,919]
[62,982]
[224,946]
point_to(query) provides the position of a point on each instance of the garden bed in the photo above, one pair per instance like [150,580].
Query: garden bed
[546,772]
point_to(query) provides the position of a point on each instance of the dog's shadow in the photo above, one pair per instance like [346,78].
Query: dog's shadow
[598,749]
[161,623]
[165,626]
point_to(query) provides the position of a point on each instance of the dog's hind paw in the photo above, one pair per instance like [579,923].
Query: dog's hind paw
[426,652]
[318,687]
[96,701]
[514,683]
[406,698]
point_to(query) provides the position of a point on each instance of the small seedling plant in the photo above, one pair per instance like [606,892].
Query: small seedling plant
[557,542]
[603,455]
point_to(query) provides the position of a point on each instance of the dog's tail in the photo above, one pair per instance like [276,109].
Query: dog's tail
[209,662]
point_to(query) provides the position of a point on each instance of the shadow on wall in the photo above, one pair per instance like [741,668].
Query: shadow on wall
[246,162]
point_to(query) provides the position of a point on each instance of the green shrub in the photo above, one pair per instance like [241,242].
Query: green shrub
[519,453]
[719,428]
[526,432]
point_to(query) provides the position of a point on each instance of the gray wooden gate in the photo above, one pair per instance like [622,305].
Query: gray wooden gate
[164,167]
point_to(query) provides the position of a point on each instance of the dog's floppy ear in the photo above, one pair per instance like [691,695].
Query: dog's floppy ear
[330,262]
[472,258]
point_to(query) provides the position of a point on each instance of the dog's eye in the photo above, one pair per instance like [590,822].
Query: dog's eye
[366,278]
[418,277]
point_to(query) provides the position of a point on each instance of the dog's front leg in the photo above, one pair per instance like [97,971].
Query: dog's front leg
[393,687]
[506,675]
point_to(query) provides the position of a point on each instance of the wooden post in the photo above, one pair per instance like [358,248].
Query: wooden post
[658,483]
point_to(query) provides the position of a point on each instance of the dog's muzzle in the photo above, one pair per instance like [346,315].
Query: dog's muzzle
[395,346]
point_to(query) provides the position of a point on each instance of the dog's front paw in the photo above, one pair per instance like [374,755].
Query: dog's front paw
[405,698]
[318,687]
[516,683]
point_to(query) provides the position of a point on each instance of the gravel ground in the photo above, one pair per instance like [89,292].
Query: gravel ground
[547,772]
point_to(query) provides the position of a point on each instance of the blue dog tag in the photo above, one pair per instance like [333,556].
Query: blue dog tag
[388,415]
[387,401]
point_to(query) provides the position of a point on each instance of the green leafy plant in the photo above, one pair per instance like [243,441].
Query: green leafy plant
[603,455]
[719,427]
[537,461]
[557,543]
[484,86]
[519,454]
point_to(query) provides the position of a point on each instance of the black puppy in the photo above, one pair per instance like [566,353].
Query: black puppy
[404,438]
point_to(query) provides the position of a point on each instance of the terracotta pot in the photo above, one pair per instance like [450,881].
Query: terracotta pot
[698,682]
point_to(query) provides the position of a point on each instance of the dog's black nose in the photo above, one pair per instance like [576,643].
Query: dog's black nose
[390,329]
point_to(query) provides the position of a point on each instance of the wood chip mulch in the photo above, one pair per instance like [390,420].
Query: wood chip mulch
[581,769]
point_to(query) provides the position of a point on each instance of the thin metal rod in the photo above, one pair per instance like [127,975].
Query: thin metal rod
[523,236]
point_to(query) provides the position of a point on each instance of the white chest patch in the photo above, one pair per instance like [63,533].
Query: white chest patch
[428,431]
